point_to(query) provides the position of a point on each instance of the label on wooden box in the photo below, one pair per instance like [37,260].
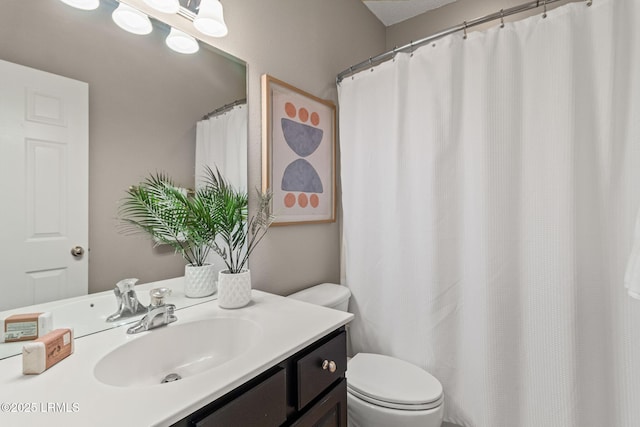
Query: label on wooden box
[25,327]
[46,351]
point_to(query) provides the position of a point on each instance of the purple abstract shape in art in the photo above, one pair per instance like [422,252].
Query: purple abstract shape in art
[303,139]
[301,176]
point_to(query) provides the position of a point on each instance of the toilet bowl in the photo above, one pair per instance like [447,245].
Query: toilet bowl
[382,391]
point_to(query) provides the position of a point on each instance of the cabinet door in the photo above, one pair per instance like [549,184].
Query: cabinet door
[264,405]
[330,411]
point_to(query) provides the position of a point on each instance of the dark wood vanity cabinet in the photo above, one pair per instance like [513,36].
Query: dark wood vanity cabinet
[308,389]
[330,411]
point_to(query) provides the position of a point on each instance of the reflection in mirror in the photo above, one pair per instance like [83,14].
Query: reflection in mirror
[90,313]
[221,140]
[142,102]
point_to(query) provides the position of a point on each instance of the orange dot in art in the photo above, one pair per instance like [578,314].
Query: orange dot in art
[289,200]
[290,109]
[315,119]
[314,199]
[303,114]
[302,200]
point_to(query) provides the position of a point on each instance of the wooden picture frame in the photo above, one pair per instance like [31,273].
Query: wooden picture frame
[298,153]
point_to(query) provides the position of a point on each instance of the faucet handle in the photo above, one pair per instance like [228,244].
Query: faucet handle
[126,285]
[158,295]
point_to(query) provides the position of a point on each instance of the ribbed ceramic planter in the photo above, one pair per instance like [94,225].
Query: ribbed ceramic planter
[199,280]
[234,290]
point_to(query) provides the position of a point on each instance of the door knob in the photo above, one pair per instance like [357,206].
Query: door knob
[77,251]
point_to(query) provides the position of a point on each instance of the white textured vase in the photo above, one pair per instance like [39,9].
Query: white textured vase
[234,290]
[199,280]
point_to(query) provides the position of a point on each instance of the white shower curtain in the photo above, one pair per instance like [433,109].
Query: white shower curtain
[221,142]
[489,189]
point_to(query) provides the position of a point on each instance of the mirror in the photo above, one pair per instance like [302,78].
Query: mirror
[144,103]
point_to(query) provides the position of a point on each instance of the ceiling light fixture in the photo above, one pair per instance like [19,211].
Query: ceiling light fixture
[164,6]
[83,4]
[131,20]
[210,19]
[181,42]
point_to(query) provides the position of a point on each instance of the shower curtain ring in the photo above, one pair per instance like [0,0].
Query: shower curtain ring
[465,30]
[371,63]
[589,2]
[544,6]
[351,72]
[411,49]
[501,18]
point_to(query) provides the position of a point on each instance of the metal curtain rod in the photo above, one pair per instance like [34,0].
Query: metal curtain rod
[224,109]
[378,59]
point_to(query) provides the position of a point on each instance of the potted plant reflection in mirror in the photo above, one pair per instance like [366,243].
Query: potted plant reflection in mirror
[214,218]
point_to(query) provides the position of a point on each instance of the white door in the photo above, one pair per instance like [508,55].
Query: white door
[44,146]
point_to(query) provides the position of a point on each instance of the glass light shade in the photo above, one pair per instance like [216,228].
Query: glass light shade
[83,4]
[181,42]
[210,20]
[165,6]
[131,20]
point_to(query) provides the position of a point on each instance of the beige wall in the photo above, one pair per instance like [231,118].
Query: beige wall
[453,14]
[144,101]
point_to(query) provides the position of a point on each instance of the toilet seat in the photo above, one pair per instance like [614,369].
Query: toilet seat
[392,383]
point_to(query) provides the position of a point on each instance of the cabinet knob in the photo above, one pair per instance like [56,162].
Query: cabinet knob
[330,365]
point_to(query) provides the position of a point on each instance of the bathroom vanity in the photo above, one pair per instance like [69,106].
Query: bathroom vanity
[275,362]
[307,389]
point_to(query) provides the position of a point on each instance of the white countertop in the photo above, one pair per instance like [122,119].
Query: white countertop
[68,394]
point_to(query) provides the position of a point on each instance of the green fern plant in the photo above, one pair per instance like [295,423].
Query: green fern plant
[158,207]
[214,218]
[237,235]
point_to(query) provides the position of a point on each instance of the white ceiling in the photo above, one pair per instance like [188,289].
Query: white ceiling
[391,12]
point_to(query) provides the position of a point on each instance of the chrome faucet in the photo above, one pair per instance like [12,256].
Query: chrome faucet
[158,313]
[128,304]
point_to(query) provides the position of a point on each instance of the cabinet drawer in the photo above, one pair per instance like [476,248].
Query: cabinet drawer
[312,379]
[263,405]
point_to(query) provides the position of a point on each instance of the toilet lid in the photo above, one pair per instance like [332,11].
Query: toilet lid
[326,294]
[392,383]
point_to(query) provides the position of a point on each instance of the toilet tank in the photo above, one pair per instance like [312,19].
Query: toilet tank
[326,294]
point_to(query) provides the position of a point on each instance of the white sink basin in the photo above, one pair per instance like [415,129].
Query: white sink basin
[185,349]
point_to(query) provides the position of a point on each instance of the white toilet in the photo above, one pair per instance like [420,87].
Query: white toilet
[382,391]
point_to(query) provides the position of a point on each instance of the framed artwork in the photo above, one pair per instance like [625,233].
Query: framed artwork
[298,153]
